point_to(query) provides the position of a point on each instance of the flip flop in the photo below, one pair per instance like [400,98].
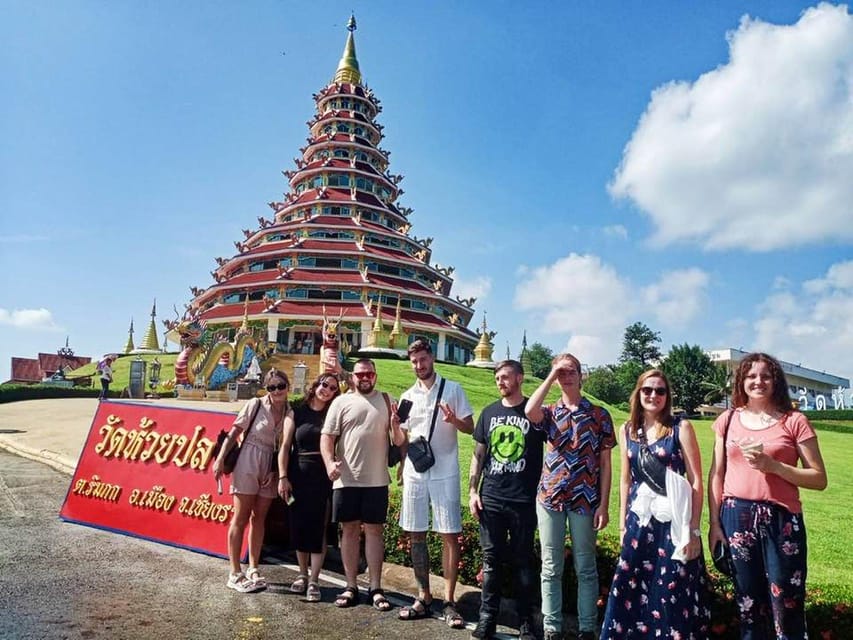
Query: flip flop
[413,613]
[378,600]
[347,598]
[452,617]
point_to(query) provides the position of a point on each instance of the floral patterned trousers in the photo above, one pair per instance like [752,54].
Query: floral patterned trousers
[768,545]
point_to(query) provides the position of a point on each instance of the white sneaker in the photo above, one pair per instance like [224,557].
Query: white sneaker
[240,583]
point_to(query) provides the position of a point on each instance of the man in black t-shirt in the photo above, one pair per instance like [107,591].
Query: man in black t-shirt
[508,456]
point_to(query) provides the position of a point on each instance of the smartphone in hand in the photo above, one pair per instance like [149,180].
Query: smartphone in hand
[403,409]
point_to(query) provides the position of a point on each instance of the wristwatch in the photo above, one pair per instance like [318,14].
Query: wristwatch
[697,532]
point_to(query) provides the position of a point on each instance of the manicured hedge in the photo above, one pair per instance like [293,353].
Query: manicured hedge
[830,414]
[15,392]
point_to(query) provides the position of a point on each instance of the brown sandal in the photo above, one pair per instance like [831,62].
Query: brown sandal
[347,598]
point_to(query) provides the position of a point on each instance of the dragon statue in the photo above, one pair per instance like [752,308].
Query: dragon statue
[211,358]
[331,349]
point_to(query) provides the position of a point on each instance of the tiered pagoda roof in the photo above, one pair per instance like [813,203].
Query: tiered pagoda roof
[340,237]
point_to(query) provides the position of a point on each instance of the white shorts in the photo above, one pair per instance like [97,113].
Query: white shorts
[444,498]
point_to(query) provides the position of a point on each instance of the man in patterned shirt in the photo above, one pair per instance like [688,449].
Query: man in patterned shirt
[574,488]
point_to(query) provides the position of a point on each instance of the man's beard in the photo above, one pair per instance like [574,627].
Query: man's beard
[365,386]
[426,376]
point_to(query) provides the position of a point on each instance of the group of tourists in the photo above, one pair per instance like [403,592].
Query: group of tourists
[545,467]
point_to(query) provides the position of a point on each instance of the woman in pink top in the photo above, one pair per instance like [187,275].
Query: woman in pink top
[760,461]
[253,487]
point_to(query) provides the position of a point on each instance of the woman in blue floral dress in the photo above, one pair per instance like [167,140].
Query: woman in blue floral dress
[659,588]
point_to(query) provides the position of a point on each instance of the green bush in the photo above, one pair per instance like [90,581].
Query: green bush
[830,414]
[15,392]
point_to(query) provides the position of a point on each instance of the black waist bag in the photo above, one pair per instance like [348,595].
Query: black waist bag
[420,454]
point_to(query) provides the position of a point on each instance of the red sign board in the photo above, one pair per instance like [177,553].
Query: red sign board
[146,471]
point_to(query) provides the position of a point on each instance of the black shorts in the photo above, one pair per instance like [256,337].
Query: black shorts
[365,504]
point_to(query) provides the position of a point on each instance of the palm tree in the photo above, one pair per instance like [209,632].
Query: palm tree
[718,385]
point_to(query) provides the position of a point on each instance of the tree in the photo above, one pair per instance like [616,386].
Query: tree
[627,374]
[640,344]
[717,385]
[602,383]
[687,367]
[540,359]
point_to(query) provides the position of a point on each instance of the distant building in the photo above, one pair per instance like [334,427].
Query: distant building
[803,383]
[34,370]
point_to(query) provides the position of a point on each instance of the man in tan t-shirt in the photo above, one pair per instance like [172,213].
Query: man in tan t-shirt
[354,445]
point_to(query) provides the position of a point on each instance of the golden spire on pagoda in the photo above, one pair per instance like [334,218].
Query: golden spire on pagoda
[348,66]
[128,348]
[377,324]
[149,340]
[397,332]
[484,349]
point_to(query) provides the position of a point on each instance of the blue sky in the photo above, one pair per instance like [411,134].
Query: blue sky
[581,165]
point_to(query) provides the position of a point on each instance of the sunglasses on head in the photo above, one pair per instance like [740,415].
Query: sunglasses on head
[661,391]
[364,374]
[276,387]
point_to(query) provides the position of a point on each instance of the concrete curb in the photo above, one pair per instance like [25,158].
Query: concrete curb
[57,461]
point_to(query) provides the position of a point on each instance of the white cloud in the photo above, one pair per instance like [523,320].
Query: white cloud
[839,276]
[758,153]
[588,300]
[31,319]
[580,296]
[678,297]
[479,287]
[616,231]
[812,325]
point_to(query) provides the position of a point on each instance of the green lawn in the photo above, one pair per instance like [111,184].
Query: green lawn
[829,537]
[121,369]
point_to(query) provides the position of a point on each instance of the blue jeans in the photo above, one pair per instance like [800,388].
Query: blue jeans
[552,535]
[506,535]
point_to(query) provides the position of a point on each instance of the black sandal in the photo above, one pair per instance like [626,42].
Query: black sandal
[347,598]
[378,600]
[452,617]
[413,613]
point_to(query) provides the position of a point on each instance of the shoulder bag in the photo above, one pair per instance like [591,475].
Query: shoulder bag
[231,457]
[420,452]
[722,553]
[650,469]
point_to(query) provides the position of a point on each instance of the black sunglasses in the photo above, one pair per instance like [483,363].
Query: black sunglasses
[661,391]
[331,386]
[276,387]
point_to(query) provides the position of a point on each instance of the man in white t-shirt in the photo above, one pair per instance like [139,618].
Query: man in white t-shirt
[438,486]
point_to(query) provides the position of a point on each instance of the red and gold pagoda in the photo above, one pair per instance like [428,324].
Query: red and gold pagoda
[340,240]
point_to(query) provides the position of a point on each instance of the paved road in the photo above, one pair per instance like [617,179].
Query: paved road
[61,580]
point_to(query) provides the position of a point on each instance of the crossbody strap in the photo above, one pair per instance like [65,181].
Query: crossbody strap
[725,437]
[435,409]
[388,408]
[253,416]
